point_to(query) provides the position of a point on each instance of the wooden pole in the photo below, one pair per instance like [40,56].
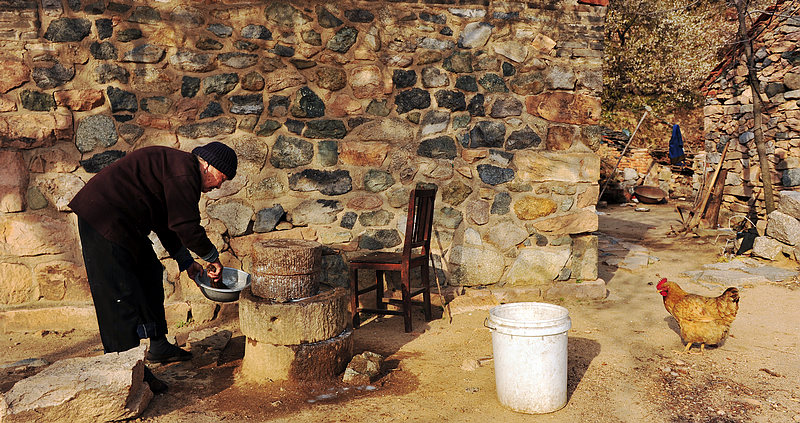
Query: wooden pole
[752,78]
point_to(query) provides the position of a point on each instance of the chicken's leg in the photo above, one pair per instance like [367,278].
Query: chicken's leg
[688,347]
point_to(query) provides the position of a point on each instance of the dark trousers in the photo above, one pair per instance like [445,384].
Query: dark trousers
[126,288]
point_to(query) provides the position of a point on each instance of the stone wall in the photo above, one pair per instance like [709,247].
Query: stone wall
[729,114]
[336,109]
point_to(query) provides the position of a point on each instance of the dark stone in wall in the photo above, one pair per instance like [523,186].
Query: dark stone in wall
[282,50]
[206,43]
[446,31]
[65,30]
[377,239]
[97,162]
[334,182]
[307,104]
[326,19]
[37,101]
[145,53]
[221,84]
[145,15]
[443,147]
[250,104]
[356,121]
[331,78]
[467,83]
[190,86]
[452,100]
[487,134]
[501,204]
[159,105]
[221,126]
[104,27]
[302,63]
[129,34]
[348,220]
[106,72]
[74,5]
[494,175]
[523,139]
[359,15]
[268,218]
[213,109]
[328,153]
[130,132]
[295,126]
[343,40]
[268,128]
[121,100]
[404,78]
[378,108]
[791,177]
[325,128]
[493,83]
[115,7]
[220,30]
[412,99]
[103,51]
[245,45]
[376,218]
[278,105]
[437,19]
[256,32]
[458,63]
[53,76]
[291,152]
[506,106]
[123,118]
[508,69]
[774,88]
[377,180]
[475,107]
[312,37]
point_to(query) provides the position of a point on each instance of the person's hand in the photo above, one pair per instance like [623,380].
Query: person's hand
[214,272]
[194,270]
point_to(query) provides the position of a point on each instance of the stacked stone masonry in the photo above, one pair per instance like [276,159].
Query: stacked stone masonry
[336,110]
[729,120]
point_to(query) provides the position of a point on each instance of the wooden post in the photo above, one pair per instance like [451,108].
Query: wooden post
[752,78]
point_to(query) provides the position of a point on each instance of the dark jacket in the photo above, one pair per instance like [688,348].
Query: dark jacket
[151,189]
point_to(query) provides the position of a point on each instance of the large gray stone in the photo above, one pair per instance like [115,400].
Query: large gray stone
[314,212]
[790,203]
[538,265]
[95,131]
[506,235]
[235,214]
[475,265]
[108,387]
[783,227]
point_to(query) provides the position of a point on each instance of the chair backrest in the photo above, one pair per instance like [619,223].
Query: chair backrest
[419,222]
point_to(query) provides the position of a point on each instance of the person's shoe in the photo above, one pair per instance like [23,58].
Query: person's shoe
[156,385]
[171,354]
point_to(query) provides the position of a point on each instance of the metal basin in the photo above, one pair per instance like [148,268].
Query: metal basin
[649,194]
[235,281]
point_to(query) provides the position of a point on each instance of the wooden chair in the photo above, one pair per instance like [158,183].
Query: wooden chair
[418,237]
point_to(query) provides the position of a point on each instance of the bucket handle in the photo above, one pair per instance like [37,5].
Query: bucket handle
[486,324]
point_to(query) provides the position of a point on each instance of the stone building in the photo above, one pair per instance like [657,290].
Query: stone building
[336,109]
[729,123]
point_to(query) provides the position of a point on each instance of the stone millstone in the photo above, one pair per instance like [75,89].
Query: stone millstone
[286,257]
[265,362]
[312,319]
[285,287]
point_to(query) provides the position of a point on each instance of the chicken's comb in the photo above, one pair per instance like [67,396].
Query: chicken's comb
[661,282]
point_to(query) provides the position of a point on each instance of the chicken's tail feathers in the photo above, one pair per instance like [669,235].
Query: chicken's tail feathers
[732,294]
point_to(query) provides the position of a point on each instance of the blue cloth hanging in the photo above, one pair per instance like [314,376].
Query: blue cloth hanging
[676,154]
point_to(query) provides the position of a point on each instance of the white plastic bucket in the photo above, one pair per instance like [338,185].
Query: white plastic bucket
[529,342]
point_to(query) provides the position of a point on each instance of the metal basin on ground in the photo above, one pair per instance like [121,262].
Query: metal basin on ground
[649,194]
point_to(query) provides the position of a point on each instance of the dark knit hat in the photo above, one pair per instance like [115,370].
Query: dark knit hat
[219,155]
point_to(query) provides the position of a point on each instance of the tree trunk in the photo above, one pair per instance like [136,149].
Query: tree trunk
[752,77]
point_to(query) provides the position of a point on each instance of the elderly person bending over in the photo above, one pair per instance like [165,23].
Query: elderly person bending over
[151,189]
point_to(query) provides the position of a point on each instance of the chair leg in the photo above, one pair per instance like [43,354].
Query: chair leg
[380,278]
[426,294]
[354,297]
[406,290]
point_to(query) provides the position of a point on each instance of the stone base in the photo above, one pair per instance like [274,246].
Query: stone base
[264,362]
[313,319]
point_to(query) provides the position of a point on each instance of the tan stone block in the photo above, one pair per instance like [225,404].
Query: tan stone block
[565,107]
[33,235]
[61,280]
[360,153]
[530,207]
[59,319]
[13,181]
[391,130]
[16,285]
[588,196]
[13,73]
[343,105]
[549,166]
[7,105]
[283,78]
[34,130]
[79,100]
[365,202]
[366,81]
[560,137]
[573,223]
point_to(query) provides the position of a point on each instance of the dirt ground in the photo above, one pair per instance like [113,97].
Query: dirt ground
[624,364]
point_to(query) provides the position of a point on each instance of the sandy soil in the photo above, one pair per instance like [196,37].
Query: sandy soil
[623,359]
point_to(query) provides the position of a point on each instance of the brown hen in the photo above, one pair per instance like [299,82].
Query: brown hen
[703,320]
